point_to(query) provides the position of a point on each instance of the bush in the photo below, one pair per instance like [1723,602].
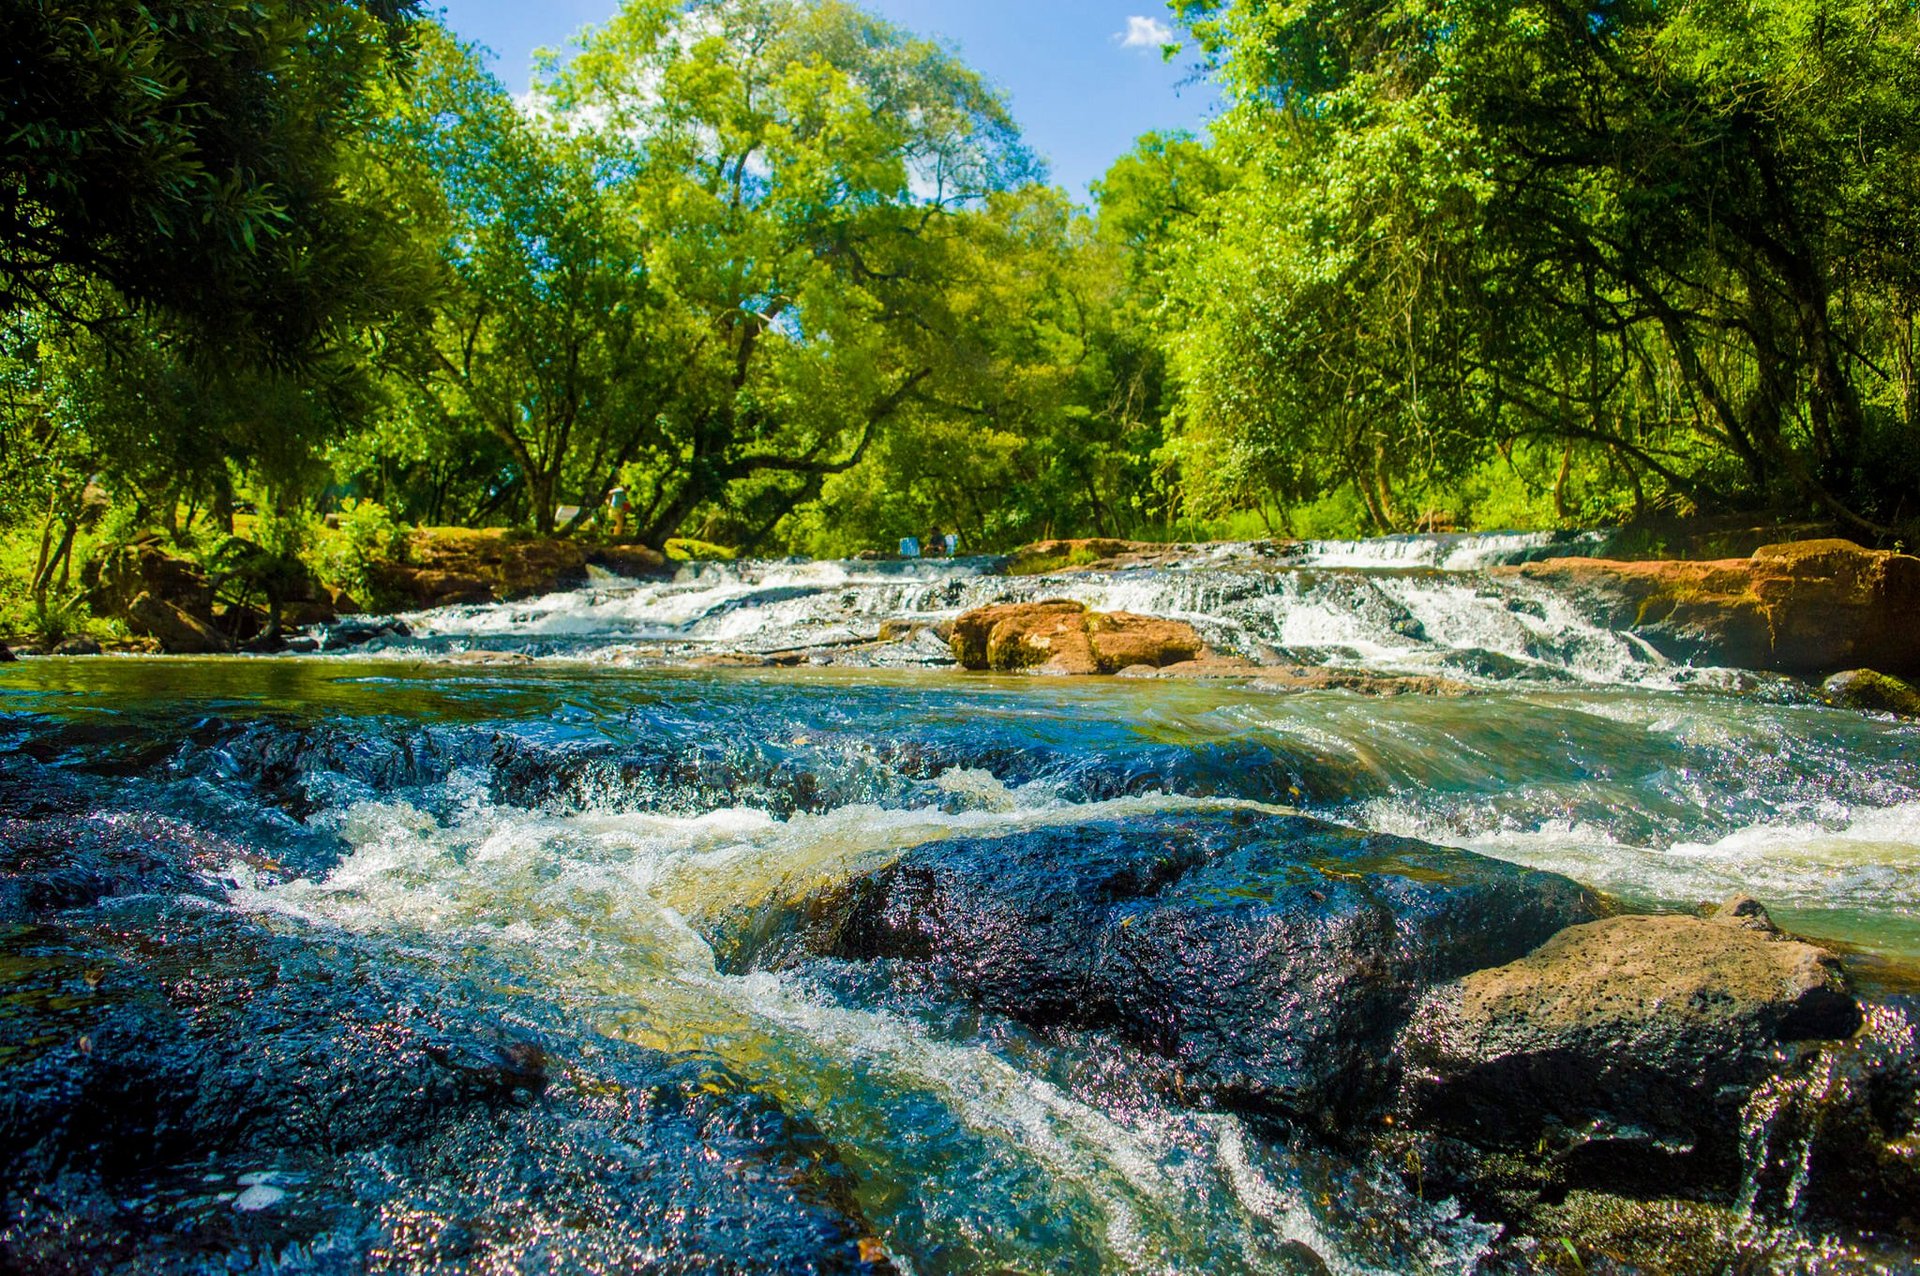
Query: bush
[367,539]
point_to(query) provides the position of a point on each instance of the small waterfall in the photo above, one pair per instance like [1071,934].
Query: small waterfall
[1425,605]
[1779,1132]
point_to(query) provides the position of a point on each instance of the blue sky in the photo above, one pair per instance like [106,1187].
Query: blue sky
[1083,75]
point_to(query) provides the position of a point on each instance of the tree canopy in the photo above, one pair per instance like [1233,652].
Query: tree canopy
[786,276]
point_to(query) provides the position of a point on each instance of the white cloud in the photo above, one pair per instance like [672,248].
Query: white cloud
[1145,33]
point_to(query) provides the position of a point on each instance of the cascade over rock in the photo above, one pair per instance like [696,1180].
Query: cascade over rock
[1809,607]
[188,1088]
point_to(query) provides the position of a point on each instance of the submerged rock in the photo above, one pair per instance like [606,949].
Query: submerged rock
[1871,692]
[1807,608]
[1060,637]
[1271,958]
[1208,667]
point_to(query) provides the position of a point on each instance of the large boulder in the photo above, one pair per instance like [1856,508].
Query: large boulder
[179,631]
[446,566]
[973,638]
[6,655]
[634,561]
[1063,637]
[1268,959]
[115,578]
[1646,1031]
[168,599]
[1809,608]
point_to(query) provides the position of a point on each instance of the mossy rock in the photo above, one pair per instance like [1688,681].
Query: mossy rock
[1871,692]
[683,549]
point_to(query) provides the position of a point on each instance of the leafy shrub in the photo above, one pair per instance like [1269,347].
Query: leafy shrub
[367,539]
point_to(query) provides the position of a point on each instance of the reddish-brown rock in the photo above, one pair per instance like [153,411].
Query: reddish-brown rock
[973,631]
[1808,608]
[1060,637]
[1120,640]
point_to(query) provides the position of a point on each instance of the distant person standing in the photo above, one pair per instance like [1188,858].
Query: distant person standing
[936,542]
[617,506]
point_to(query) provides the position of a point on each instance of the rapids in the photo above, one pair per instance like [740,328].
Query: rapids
[569,835]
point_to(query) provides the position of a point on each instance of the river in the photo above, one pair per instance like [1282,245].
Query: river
[543,803]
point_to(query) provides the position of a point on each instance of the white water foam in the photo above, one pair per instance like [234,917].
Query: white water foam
[594,909]
[1857,861]
[1420,605]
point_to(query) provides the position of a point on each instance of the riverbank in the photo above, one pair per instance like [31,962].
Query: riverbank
[1809,609]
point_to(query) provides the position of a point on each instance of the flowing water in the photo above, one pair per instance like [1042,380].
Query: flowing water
[573,830]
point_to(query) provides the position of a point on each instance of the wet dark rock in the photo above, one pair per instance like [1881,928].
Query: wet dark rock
[190,1091]
[1871,692]
[1272,958]
[77,645]
[6,655]
[1645,1035]
[357,631]
[1841,1136]
[63,862]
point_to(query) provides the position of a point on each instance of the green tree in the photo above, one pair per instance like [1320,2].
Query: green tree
[542,332]
[1668,234]
[184,154]
[803,170]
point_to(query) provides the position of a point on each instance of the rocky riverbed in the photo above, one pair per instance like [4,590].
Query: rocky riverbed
[1384,918]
